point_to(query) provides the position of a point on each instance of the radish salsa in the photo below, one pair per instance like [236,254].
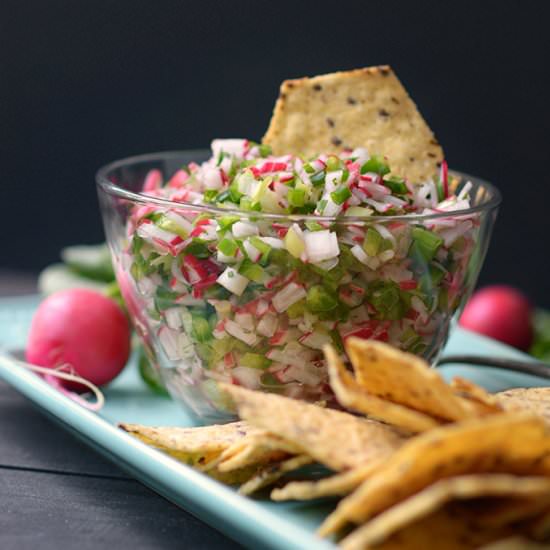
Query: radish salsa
[232,294]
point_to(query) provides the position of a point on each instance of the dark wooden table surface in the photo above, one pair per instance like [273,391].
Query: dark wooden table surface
[56,493]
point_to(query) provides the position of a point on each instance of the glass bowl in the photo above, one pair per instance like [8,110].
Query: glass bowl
[263,322]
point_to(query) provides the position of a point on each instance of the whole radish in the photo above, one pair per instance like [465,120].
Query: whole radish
[500,312]
[83,329]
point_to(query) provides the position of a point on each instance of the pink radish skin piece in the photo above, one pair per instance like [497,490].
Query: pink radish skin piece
[81,328]
[500,312]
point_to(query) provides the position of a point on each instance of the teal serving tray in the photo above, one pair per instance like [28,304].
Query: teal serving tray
[252,522]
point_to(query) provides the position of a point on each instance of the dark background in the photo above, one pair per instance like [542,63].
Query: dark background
[83,83]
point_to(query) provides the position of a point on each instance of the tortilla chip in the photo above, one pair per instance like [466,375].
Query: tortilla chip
[336,439]
[516,443]
[340,484]
[444,530]
[435,496]
[234,477]
[536,400]
[507,511]
[405,379]
[259,448]
[352,396]
[469,390]
[270,474]
[361,108]
[515,543]
[193,446]
[539,528]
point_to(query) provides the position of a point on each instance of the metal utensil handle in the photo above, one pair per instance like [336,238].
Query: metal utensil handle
[535,368]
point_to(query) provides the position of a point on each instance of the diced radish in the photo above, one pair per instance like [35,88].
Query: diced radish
[244,229]
[315,340]
[233,281]
[386,256]
[330,208]
[173,318]
[262,308]
[327,265]
[306,374]
[409,284]
[234,147]
[229,360]
[169,341]
[278,338]
[251,251]
[273,282]
[222,307]
[212,178]
[153,180]
[360,254]
[267,325]
[321,245]
[361,155]
[273,242]
[289,295]
[247,377]
[189,300]
[225,259]
[178,180]
[245,321]
[219,330]
[235,330]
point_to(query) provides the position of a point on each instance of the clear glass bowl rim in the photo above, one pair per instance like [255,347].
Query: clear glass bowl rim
[103,181]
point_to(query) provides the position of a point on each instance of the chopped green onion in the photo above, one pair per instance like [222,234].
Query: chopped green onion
[234,192]
[223,196]
[263,247]
[333,163]
[210,195]
[294,243]
[252,271]
[169,225]
[198,248]
[225,222]
[254,361]
[309,169]
[296,197]
[314,226]
[318,179]
[296,310]
[265,150]
[228,247]
[375,164]
[164,298]
[249,205]
[436,274]
[358,211]
[319,299]
[308,208]
[201,329]
[426,243]
[341,195]
[440,190]
[137,244]
[385,297]
[267,380]
[396,184]
[373,241]
[345,175]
